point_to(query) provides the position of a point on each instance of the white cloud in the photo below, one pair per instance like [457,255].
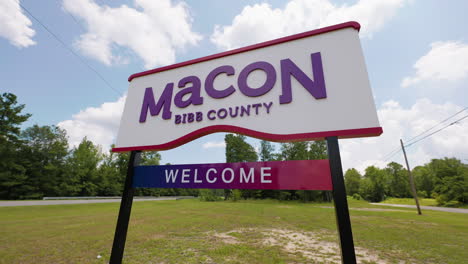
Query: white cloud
[153,30]
[406,123]
[261,22]
[98,124]
[212,144]
[14,25]
[446,61]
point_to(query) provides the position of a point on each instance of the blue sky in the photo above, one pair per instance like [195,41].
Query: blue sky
[416,54]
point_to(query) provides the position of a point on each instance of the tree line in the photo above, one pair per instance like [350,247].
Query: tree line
[445,179]
[36,162]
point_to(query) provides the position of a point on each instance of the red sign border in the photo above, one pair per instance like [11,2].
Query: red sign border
[351,24]
[349,133]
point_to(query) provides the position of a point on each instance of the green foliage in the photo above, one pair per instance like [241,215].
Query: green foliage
[318,150]
[13,177]
[352,180]
[373,185]
[266,151]
[209,195]
[397,181]
[295,151]
[238,150]
[236,195]
[356,196]
[424,181]
[150,158]
[451,180]
[44,154]
[10,118]
[82,169]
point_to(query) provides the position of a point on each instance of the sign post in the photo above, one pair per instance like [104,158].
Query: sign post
[125,209]
[308,86]
[341,204]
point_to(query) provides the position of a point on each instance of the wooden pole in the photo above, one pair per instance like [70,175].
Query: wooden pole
[343,222]
[413,188]
[124,213]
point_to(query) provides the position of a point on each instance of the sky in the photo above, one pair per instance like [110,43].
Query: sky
[68,61]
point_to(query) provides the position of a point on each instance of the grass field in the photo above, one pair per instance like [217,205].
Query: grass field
[422,202]
[410,201]
[191,231]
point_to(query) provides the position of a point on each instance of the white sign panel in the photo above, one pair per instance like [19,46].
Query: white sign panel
[302,87]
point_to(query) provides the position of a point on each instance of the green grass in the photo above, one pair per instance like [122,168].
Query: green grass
[191,231]
[410,201]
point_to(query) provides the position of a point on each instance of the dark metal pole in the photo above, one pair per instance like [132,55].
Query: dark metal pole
[124,213]
[413,188]
[348,256]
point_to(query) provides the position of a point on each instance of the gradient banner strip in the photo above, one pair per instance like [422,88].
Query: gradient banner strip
[270,175]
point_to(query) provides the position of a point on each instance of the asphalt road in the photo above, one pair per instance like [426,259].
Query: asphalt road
[434,208]
[84,201]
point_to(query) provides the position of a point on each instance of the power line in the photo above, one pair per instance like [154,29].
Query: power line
[74,18]
[394,153]
[397,150]
[70,50]
[427,130]
[453,123]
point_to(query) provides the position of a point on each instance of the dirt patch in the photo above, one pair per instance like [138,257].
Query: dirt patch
[225,237]
[314,246]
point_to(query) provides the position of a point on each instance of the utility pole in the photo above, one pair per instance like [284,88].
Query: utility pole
[413,188]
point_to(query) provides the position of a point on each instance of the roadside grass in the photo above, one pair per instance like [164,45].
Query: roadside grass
[410,201]
[262,231]
[422,201]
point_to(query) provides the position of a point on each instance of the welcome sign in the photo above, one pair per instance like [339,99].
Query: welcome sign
[269,175]
[303,87]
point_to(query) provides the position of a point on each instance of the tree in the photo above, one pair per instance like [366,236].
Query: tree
[112,173]
[238,150]
[318,150]
[266,151]
[397,181]
[424,181]
[451,180]
[82,170]
[150,158]
[295,150]
[12,171]
[373,185]
[43,154]
[352,180]
[10,118]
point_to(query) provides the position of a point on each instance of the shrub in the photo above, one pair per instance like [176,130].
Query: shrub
[209,195]
[236,195]
[356,196]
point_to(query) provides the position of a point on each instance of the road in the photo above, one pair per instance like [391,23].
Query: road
[84,201]
[434,208]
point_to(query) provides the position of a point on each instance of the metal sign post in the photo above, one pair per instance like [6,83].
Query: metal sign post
[343,222]
[125,209]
